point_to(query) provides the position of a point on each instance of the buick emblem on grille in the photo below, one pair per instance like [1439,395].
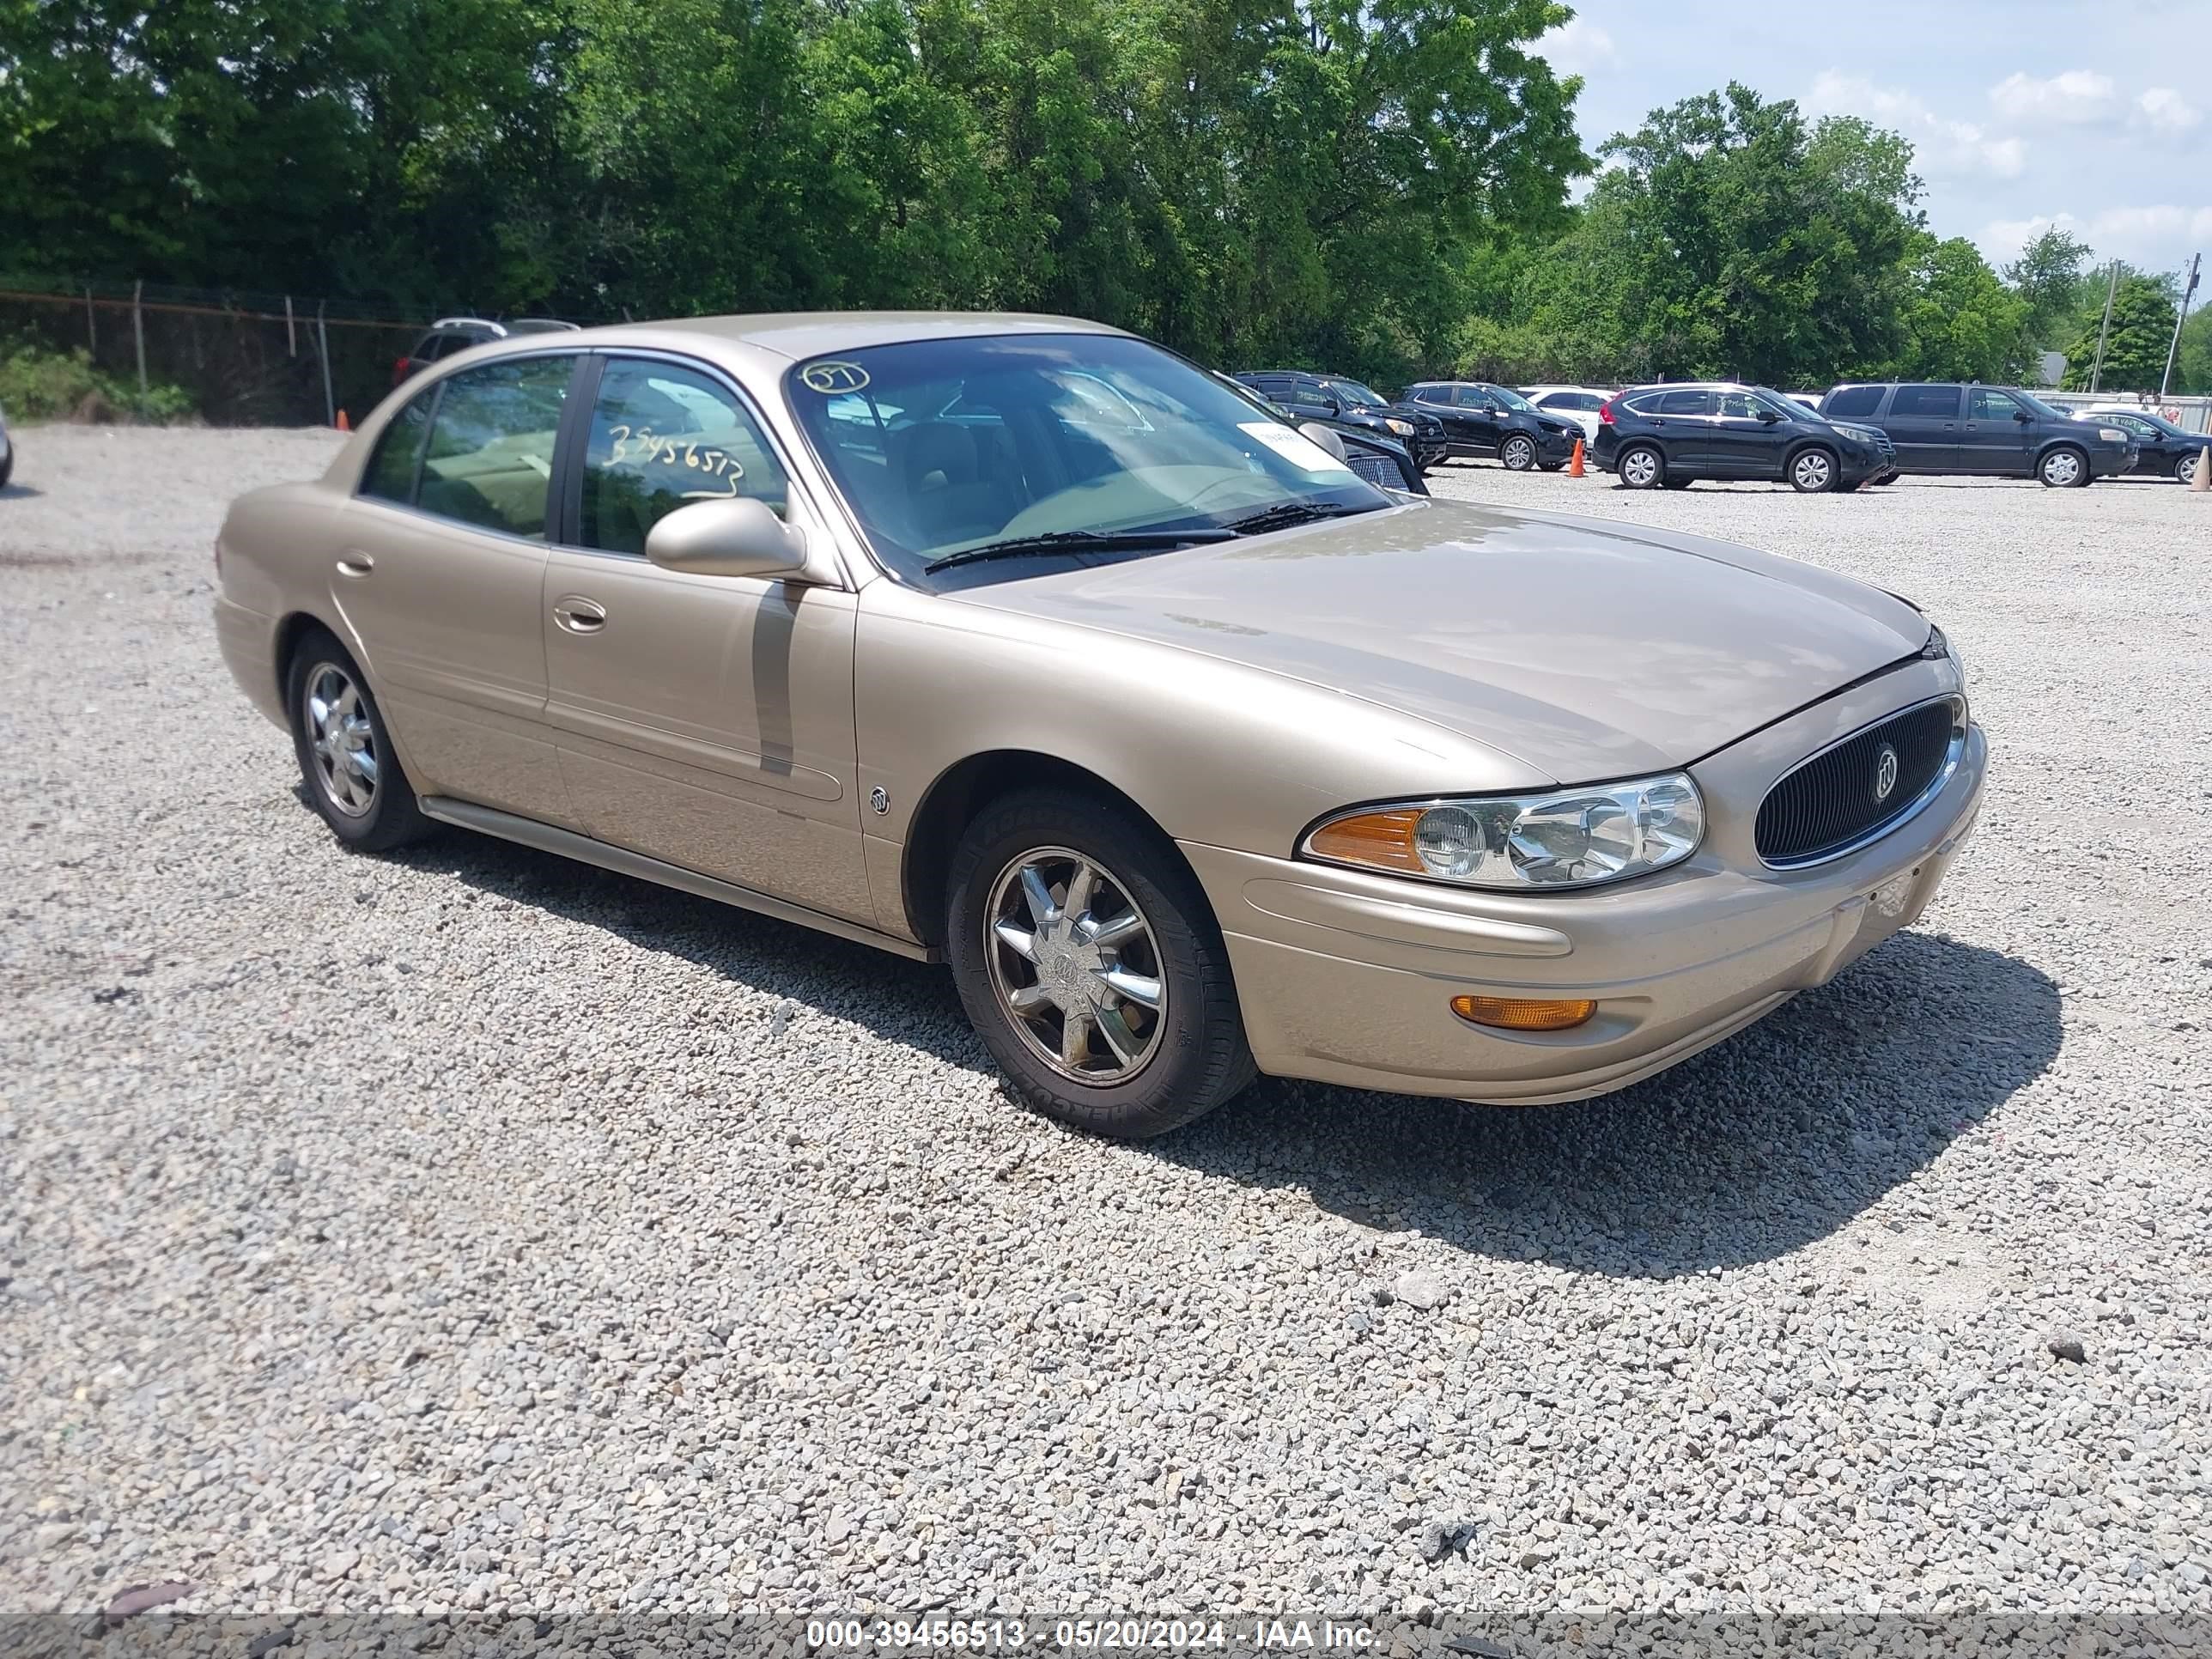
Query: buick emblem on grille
[1885,772]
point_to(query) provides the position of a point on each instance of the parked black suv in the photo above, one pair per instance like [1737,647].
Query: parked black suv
[451,334]
[1481,419]
[1386,463]
[1348,406]
[1985,431]
[1675,435]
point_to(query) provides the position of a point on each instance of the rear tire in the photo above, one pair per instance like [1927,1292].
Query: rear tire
[2062,468]
[2184,469]
[352,774]
[1159,1038]
[1641,467]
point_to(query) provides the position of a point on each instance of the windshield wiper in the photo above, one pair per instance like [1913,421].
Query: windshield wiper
[1075,541]
[1291,513]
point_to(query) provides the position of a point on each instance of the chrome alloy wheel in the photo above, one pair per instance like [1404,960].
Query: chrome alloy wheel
[1639,468]
[340,739]
[1812,470]
[2061,468]
[1075,965]
[1520,454]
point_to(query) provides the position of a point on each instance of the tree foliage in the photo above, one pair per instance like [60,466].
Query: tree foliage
[2136,344]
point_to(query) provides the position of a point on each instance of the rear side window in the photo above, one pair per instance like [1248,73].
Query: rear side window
[663,437]
[1683,403]
[391,474]
[1935,402]
[1852,400]
[490,454]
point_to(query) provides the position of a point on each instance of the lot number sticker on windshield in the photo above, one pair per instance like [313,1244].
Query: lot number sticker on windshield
[1295,447]
[833,378]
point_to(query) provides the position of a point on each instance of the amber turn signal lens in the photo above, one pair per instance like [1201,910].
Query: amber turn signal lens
[1522,1014]
[1385,839]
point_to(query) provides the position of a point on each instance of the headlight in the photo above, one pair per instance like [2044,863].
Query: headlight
[1403,429]
[1564,838]
[2111,435]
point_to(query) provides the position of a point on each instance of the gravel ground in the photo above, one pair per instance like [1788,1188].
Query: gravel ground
[471,1229]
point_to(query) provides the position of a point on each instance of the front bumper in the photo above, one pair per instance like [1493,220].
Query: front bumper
[2105,462]
[1345,977]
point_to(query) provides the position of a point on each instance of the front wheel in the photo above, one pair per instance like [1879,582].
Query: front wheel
[1518,453]
[1641,467]
[353,775]
[1089,965]
[2184,469]
[1812,472]
[2064,469]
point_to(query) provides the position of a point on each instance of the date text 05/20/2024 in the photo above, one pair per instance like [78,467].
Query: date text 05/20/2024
[1243,1635]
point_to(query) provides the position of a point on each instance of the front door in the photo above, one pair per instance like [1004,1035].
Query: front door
[1923,423]
[704,720]
[1747,441]
[438,577]
[1475,418]
[1993,437]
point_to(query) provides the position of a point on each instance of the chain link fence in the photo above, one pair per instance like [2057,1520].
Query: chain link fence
[244,359]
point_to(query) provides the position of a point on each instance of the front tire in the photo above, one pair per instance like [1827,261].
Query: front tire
[2184,469]
[1812,472]
[1518,452]
[352,774]
[2062,469]
[1090,963]
[1641,467]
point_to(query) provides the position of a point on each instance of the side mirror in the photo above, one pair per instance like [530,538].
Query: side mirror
[1769,416]
[735,536]
[1333,405]
[2022,417]
[1325,436]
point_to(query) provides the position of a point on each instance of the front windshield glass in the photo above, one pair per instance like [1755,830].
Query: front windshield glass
[1357,395]
[1789,408]
[1510,399]
[946,446]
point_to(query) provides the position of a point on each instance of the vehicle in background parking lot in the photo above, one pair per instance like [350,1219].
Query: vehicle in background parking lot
[1670,436]
[1347,406]
[450,336]
[1481,420]
[7,451]
[2163,450]
[1578,403]
[1381,461]
[1983,431]
[1020,643]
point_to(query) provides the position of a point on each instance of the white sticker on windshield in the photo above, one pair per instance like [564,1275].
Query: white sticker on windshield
[1295,447]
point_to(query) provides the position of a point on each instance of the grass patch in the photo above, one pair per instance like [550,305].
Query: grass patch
[37,383]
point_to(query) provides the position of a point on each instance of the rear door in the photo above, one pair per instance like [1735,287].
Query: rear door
[1682,420]
[703,721]
[1993,436]
[1923,422]
[439,573]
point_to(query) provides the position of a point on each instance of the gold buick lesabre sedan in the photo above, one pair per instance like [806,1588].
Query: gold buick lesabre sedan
[1024,644]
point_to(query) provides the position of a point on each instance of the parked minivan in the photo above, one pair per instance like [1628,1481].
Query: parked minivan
[1986,431]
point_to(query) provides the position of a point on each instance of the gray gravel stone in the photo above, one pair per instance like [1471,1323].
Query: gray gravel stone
[563,1229]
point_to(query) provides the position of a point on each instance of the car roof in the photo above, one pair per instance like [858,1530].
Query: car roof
[809,333]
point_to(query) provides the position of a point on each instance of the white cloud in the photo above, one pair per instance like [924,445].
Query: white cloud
[2151,237]
[2166,110]
[1577,47]
[2077,97]
[1941,146]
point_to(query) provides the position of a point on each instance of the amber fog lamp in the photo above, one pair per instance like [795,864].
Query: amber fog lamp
[1383,839]
[1523,1014]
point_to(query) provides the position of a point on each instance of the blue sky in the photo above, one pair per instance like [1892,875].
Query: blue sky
[2095,114]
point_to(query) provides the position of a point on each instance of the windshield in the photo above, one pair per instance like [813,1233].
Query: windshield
[942,447]
[1357,395]
[1510,399]
[1789,408]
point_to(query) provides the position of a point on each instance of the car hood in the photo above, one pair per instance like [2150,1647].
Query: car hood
[1584,648]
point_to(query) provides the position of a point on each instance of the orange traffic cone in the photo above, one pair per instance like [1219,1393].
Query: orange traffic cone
[344,425]
[1575,466]
[2201,480]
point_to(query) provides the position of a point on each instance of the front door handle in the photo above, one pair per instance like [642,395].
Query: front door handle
[578,615]
[355,565]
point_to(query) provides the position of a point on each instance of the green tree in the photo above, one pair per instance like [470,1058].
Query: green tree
[1960,323]
[2136,346]
[2192,369]
[2047,277]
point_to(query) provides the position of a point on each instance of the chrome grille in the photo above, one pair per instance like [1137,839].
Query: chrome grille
[1834,800]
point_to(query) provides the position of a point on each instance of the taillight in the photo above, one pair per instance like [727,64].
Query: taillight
[1604,413]
[398,370]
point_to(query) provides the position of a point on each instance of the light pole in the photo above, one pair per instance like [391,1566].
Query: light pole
[2105,327]
[2188,289]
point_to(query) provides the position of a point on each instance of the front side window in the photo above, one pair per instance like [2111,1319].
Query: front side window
[1739,406]
[1984,404]
[490,453]
[1582,401]
[1354,395]
[1928,402]
[391,474]
[663,436]
[942,446]
[1472,396]
[1852,401]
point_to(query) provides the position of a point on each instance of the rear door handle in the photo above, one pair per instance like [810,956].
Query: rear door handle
[578,615]
[355,565]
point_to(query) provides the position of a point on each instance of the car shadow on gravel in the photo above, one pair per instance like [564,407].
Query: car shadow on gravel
[1759,1146]
[1756,1147]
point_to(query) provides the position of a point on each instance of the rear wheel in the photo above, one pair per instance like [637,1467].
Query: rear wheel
[1812,472]
[1518,453]
[2062,469]
[1089,965]
[1641,467]
[2184,469]
[353,777]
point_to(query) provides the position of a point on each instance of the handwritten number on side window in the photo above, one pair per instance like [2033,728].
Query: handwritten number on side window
[666,451]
